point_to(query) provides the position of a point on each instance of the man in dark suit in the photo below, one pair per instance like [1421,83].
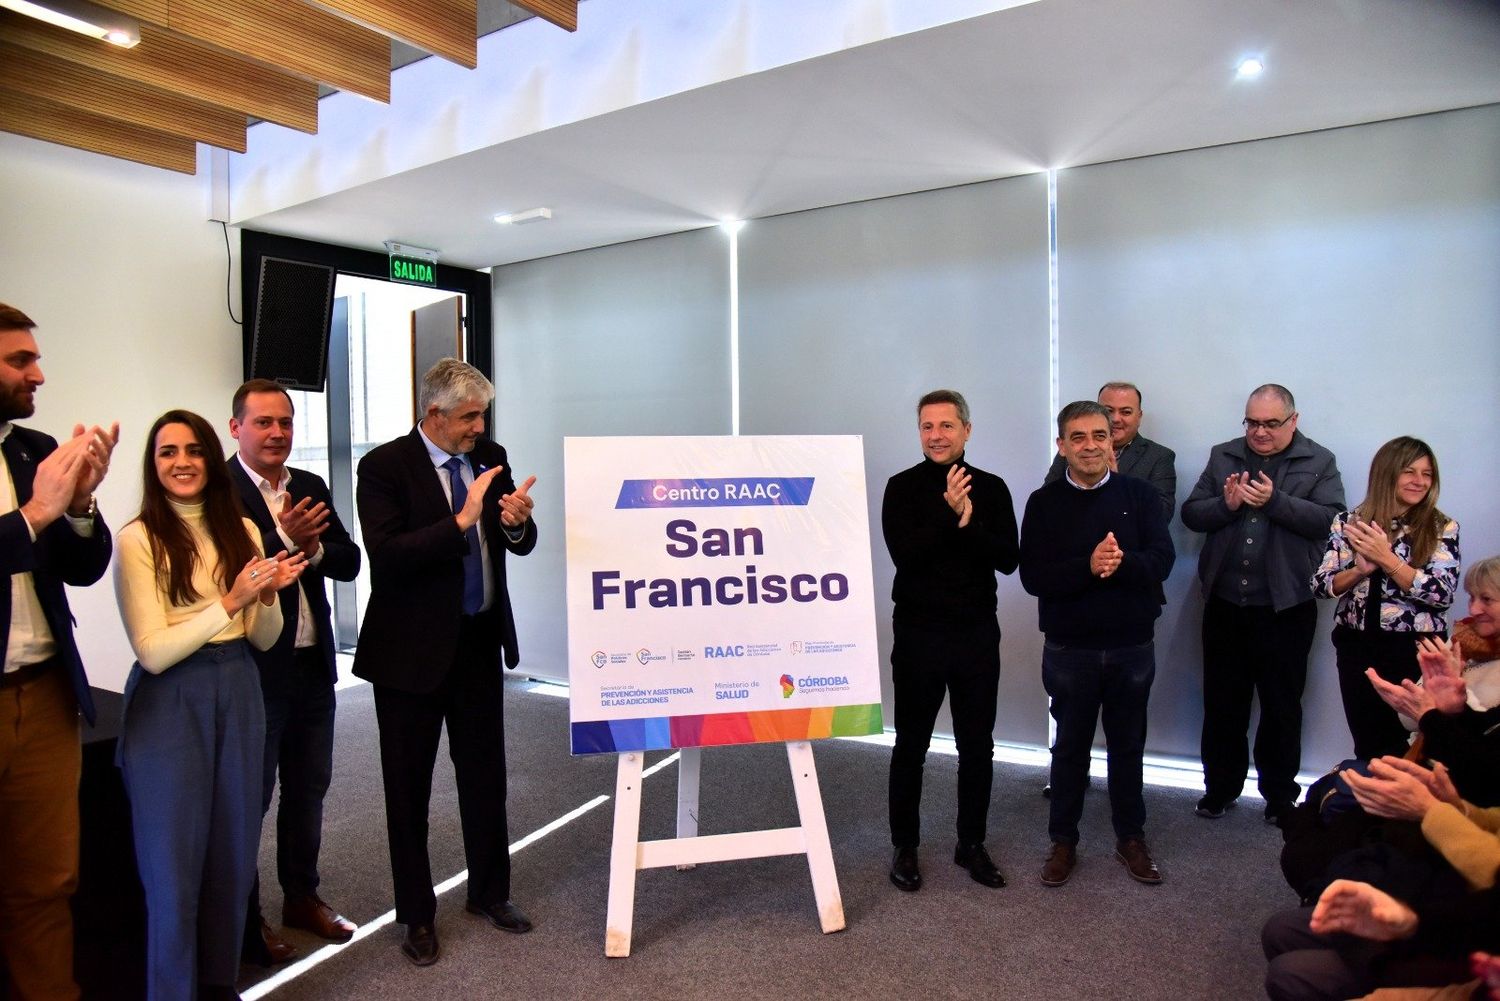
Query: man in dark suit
[294,512]
[1134,453]
[433,634]
[50,535]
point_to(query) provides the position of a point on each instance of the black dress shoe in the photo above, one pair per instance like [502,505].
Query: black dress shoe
[1278,810]
[505,915]
[263,947]
[904,871]
[420,945]
[981,869]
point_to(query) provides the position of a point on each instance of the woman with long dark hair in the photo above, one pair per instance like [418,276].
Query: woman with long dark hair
[193,587]
[1393,564]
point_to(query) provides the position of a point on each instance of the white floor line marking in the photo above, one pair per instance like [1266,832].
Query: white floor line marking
[370,927]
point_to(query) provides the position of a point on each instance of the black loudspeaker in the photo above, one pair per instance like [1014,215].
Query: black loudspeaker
[293,304]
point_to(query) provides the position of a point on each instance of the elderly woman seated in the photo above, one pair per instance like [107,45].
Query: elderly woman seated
[1358,937]
[1456,706]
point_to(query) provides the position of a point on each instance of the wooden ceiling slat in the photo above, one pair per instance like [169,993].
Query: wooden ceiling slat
[154,11]
[295,37]
[91,90]
[55,123]
[447,28]
[171,62]
[563,13]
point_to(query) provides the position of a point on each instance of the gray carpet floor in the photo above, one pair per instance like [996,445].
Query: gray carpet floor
[748,929]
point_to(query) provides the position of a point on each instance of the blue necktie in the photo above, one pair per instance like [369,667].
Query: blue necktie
[473,565]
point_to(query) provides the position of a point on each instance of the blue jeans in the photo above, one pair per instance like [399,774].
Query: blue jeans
[190,752]
[299,748]
[1082,683]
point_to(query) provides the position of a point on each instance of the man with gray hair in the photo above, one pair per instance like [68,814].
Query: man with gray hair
[1133,453]
[439,511]
[1266,502]
[1095,550]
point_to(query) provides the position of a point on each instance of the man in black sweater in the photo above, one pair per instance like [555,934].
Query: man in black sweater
[949,527]
[1094,551]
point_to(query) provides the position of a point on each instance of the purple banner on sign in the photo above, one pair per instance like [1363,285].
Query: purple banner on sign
[727,491]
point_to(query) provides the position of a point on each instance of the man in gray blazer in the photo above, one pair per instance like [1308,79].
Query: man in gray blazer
[1135,454]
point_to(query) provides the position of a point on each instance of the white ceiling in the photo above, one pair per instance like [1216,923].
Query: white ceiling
[1056,83]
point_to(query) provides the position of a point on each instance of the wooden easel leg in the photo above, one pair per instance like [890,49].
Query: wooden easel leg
[689,762]
[622,855]
[815,831]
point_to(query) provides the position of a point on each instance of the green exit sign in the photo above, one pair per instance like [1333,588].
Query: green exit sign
[412,265]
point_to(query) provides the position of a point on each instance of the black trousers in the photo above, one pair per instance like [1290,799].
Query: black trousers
[1250,651]
[469,701]
[928,662]
[1375,727]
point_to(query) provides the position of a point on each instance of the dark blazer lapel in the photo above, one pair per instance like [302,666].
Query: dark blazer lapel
[251,499]
[429,493]
[22,460]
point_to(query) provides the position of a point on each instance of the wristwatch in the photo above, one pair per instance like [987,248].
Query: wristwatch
[89,512]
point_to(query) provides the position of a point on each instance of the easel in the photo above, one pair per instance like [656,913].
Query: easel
[628,853]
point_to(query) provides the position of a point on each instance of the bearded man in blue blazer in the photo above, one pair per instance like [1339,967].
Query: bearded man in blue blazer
[50,535]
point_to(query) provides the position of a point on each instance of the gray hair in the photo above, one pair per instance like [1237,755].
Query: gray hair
[1279,393]
[1077,409]
[1123,385]
[1485,573]
[952,396]
[451,383]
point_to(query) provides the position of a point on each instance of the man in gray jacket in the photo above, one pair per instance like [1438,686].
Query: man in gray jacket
[1134,453]
[1266,502]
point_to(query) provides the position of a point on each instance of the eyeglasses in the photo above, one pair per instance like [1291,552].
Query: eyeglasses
[1251,425]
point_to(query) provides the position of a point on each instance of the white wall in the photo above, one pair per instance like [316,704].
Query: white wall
[124,276]
[624,340]
[1357,266]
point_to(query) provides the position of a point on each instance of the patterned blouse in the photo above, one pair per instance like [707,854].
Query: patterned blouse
[1423,609]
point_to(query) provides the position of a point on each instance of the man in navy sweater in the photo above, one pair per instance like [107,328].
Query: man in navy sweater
[1094,551]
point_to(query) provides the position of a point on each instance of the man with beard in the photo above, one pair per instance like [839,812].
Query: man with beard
[50,535]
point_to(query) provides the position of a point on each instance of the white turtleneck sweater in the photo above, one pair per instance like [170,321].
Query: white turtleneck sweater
[163,634]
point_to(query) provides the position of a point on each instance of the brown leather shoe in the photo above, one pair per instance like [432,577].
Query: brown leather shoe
[1059,864]
[277,949]
[1133,855]
[310,913]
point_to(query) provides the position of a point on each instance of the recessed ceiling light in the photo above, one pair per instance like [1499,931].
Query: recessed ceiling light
[732,225]
[521,218]
[1249,68]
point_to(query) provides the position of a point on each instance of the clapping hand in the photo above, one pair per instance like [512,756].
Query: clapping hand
[1360,909]
[1369,540]
[1408,698]
[1106,557]
[1442,666]
[97,446]
[515,507]
[285,573]
[1401,789]
[959,484]
[303,522]
[1256,492]
[1234,492]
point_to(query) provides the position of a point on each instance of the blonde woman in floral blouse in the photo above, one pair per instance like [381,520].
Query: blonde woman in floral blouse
[1393,564]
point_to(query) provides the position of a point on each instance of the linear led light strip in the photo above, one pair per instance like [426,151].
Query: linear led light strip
[83,17]
[370,927]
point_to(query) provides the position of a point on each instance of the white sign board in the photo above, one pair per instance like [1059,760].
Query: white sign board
[719,591]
